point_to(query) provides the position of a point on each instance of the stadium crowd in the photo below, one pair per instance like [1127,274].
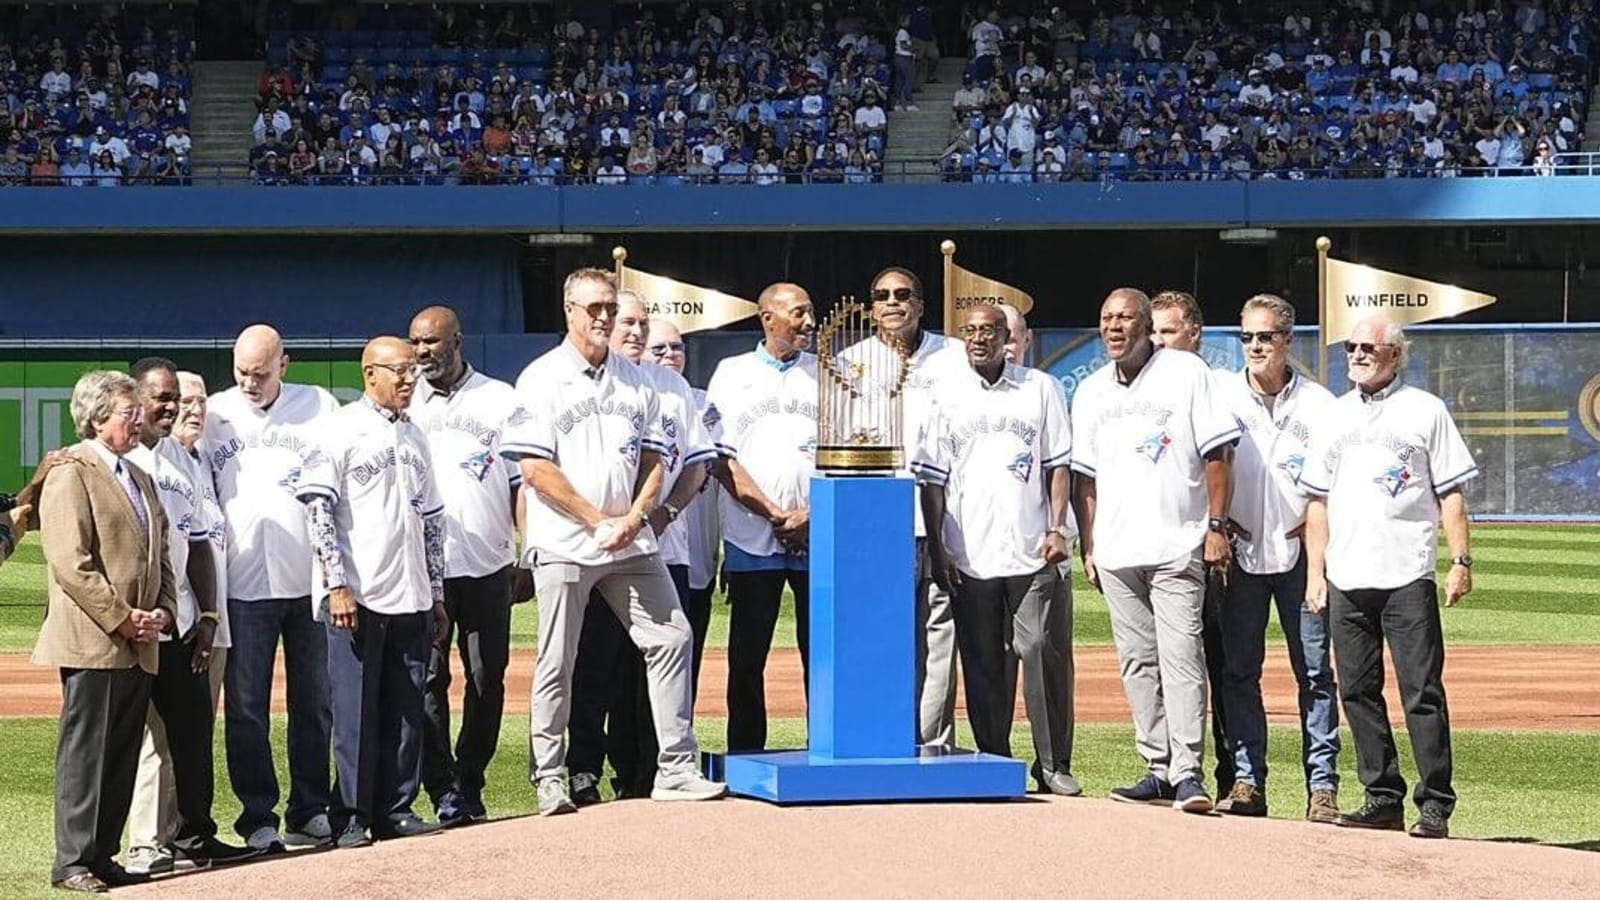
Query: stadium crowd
[1152,92]
[494,95]
[94,97]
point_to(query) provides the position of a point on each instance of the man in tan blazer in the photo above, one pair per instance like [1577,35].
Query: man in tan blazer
[111,595]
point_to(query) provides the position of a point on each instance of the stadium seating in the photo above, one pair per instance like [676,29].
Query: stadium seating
[1143,92]
[94,95]
[468,95]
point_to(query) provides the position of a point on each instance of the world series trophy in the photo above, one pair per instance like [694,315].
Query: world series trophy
[862,709]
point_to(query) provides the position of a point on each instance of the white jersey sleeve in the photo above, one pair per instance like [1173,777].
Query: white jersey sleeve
[1212,424]
[530,428]
[1451,462]
[1057,436]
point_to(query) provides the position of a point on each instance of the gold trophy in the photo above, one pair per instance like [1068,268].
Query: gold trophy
[861,377]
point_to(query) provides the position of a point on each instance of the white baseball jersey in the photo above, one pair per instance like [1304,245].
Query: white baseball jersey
[1271,454]
[594,424]
[688,444]
[1382,461]
[1144,444]
[992,447]
[379,475]
[701,521]
[257,459]
[934,354]
[186,516]
[464,429]
[764,414]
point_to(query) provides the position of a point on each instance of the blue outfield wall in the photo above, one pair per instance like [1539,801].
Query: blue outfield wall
[247,209]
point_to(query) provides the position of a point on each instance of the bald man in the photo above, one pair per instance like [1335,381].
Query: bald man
[257,438]
[761,408]
[462,412]
[377,530]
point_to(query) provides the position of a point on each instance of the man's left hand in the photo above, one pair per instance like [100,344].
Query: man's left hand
[201,636]
[521,585]
[1218,553]
[441,624]
[1055,548]
[1457,584]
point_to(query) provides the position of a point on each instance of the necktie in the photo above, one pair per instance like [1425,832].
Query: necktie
[137,499]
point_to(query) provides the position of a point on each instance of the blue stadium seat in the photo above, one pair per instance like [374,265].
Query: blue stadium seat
[336,54]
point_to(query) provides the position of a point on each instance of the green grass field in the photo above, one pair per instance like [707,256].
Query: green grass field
[1534,584]
[1525,787]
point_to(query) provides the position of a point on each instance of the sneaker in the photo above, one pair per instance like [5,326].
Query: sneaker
[585,790]
[316,832]
[554,800]
[208,852]
[266,840]
[1190,796]
[354,835]
[1060,783]
[911,107]
[1383,815]
[149,860]
[450,811]
[686,785]
[1323,807]
[1243,800]
[1433,823]
[1149,790]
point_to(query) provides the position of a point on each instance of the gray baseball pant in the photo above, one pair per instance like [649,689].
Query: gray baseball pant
[936,659]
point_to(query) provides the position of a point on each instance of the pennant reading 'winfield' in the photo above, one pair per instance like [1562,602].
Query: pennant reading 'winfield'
[1355,291]
[689,307]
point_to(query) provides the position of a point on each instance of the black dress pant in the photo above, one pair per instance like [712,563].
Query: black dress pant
[699,612]
[182,699]
[755,598]
[377,675]
[480,621]
[97,757]
[1211,635]
[1408,617]
[611,715]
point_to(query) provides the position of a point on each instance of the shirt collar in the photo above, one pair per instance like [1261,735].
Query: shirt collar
[581,366]
[389,415]
[426,391]
[106,455]
[773,361]
[1383,394]
[1011,376]
[1289,387]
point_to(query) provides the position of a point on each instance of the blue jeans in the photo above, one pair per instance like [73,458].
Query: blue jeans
[257,626]
[1244,629]
[905,78]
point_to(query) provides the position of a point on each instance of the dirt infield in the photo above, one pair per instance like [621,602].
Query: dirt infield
[1517,687]
[1033,848]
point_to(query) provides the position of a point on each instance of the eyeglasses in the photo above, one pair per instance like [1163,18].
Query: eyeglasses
[595,310]
[401,370]
[1367,349]
[131,413]
[900,295]
[660,350]
[1258,337]
[980,331]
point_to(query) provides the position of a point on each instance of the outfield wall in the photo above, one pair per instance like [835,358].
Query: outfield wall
[1527,398]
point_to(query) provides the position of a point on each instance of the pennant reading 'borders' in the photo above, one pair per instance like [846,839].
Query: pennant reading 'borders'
[964,289]
[689,307]
[1355,291]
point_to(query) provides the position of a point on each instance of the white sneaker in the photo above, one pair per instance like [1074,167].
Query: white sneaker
[554,799]
[316,832]
[911,107]
[149,860]
[265,839]
[687,785]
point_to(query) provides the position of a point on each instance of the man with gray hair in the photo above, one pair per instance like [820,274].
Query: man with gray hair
[1150,438]
[1280,411]
[1383,475]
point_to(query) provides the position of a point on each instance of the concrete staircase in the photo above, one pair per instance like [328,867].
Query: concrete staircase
[1591,125]
[917,138]
[223,109]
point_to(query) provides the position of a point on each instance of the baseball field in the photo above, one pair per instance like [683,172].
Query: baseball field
[1523,672]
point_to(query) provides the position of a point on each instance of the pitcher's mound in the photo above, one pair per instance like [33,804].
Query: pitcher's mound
[1038,847]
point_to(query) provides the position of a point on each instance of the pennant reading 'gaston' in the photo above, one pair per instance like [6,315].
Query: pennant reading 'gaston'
[1355,291]
[966,289]
[689,307]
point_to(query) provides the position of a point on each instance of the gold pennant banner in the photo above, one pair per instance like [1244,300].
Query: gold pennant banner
[964,289]
[689,307]
[1356,291]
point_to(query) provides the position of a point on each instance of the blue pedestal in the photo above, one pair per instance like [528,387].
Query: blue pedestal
[862,715]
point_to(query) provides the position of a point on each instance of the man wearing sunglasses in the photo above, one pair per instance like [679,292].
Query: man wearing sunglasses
[1150,439]
[897,306]
[1383,475]
[1280,411]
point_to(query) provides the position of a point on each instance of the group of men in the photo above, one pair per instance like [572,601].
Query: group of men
[188,537]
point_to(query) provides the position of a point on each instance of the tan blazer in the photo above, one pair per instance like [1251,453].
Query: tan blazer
[100,565]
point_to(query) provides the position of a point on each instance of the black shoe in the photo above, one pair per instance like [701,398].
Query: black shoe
[208,851]
[1433,824]
[472,805]
[585,790]
[1149,790]
[407,826]
[116,876]
[1381,815]
[82,883]
[450,810]
[353,835]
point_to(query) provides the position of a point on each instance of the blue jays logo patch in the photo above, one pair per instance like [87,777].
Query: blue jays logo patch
[809,448]
[478,464]
[1021,467]
[669,426]
[1293,466]
[670,458]
[630,448]
[712,416]
[1395,479]
[1154,447]
[291,479]
[519,416]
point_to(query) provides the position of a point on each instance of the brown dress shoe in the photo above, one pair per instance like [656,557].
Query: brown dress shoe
[83,883]
[1323,807]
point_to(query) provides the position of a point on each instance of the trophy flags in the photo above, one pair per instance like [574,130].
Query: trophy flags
[963,289]
[1347,291]
[689,307]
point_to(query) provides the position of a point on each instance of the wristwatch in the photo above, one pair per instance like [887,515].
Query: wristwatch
[672,512]
[1218,524]
[1464,560]
[1061,532]
[211,616]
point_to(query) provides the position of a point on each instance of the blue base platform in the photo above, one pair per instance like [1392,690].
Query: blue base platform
[800,776]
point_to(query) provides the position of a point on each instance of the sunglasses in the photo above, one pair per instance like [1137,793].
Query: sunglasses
[900,294]
[1368,349]
[1258,337]
[595,310]
[660,350]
